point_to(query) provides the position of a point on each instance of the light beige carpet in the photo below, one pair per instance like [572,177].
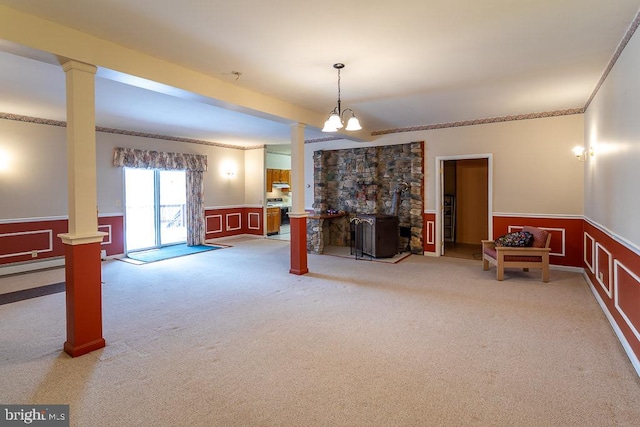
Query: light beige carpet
[230,338]
[345,252]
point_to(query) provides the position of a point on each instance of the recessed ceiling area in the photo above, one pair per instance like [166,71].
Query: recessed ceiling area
[415,64]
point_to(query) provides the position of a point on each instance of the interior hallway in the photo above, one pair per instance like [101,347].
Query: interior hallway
[463,250]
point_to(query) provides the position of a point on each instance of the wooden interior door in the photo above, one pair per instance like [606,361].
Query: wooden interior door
[472,194]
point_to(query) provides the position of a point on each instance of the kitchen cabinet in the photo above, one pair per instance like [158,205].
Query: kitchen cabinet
[278,175]
[285,176]
[269,180]
[273,220]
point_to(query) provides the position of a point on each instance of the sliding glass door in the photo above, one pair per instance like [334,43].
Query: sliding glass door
[173,206]
[155,208]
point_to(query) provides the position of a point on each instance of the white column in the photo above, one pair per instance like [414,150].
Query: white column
[81,153]
[297,168]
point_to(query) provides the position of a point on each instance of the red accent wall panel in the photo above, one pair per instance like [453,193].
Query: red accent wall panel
[19,239]
[603,268]
[589,250]
[429,232]
[213,223]
[616,278]
[254,221]
[566,235]
[24,242]
[627,297]
[233,221]
[113,243]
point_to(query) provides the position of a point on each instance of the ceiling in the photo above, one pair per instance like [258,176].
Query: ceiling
[408,63]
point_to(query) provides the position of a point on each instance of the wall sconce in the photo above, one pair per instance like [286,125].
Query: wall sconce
[228,169]
[581,153]
[4,160]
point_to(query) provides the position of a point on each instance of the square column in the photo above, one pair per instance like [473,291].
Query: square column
[82,242]
[298,216]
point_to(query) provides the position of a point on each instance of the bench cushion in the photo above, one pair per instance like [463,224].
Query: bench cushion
[493,253]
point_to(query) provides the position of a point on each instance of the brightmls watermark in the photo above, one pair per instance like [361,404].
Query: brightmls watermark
[36,415]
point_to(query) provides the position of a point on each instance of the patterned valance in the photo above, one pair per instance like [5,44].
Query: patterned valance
[134,158]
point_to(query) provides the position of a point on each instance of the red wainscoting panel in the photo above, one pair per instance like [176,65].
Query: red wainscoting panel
[253,221]
[233,221]
[226,222]
[616,278]
[566,235]
[589,250]
[604,269]
[429,232]
[113,242]
[21,237]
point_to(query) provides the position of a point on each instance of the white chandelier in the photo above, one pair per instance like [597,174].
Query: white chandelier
[336,119]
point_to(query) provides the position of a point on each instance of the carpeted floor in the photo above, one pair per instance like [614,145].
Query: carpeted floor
[345,252]
[230,338]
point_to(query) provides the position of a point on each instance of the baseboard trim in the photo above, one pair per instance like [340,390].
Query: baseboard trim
[566,268]
[616,329]
[31,266]
[213,240]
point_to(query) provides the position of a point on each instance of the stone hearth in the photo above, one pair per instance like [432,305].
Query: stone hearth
[362,181]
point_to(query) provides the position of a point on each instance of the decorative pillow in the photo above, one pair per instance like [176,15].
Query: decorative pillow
[539,236]
[519,238]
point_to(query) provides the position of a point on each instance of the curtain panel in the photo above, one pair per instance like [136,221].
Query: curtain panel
[195,166]
[134,158]
[195,208]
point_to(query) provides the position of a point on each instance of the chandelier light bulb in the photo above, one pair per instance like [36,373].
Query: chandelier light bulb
[335,121]
[353,124]
[328,127]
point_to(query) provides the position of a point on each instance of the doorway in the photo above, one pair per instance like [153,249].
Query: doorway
[155,208]
[464,195]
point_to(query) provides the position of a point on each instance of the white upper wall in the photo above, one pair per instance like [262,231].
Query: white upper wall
[612,128]
[278,161]
[34,182]
[254,178]
[534,170]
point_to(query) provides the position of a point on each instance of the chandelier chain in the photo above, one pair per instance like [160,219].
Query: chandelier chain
[338,89]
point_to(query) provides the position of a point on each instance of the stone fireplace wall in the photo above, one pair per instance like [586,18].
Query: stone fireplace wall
[362,181]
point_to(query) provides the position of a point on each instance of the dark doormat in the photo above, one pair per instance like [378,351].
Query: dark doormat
[168,252]
[40,291]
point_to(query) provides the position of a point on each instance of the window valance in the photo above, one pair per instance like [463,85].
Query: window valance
[134,158]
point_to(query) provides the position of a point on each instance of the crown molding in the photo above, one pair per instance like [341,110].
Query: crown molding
[485,121]
[616,55]
[41,121]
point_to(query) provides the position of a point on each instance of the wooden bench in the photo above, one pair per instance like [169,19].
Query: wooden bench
[535,256]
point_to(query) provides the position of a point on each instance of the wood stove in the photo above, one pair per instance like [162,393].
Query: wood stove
[376,235]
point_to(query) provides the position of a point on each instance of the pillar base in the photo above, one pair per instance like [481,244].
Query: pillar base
[298,223]
[83,277]
[75,351]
